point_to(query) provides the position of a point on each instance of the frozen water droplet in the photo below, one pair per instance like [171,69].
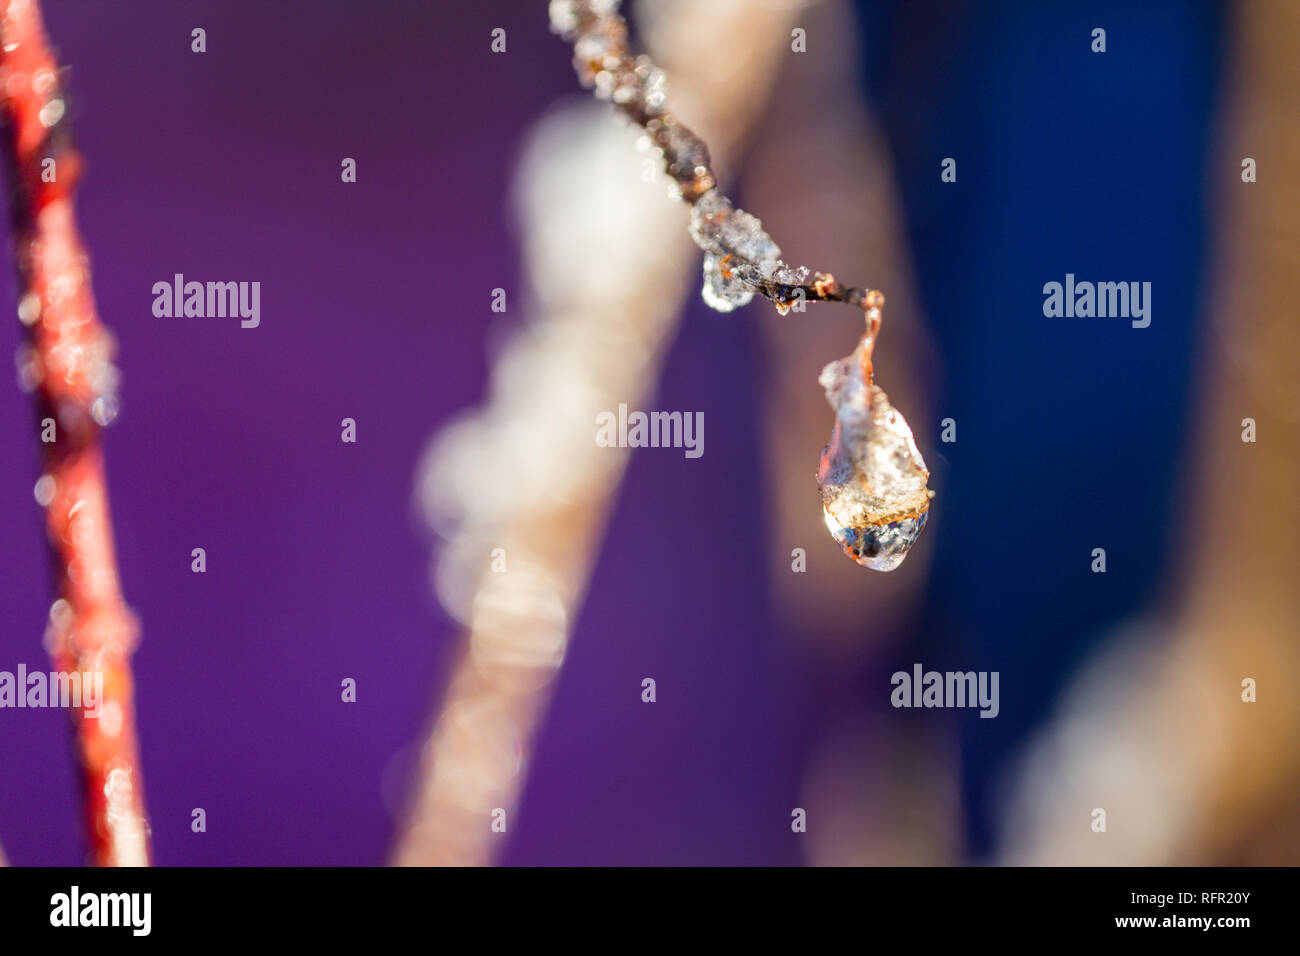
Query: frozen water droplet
[564,17]
[738,253]
[792,275]
[30,371]
[29,308]
[51,113]
[723,290]
[873,480]
[881,547]
[104,410]
[656,91]
[718,227]
[44,490]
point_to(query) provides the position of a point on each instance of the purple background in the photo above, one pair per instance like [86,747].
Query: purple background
[375,306]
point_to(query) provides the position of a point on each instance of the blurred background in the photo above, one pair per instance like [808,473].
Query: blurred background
[520,688]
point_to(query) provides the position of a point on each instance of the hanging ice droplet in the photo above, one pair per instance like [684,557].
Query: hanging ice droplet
[872,477]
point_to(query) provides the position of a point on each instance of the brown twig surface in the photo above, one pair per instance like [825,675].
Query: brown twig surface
[739,255]
[67,363]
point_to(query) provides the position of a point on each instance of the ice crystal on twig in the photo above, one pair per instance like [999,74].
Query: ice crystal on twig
[872,477]
[743,255]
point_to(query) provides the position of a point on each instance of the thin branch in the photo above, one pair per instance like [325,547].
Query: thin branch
[67,362]
[741,259]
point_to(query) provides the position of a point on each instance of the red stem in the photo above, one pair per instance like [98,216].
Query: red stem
[68,362]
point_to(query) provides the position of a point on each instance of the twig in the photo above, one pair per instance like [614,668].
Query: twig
[68,363]
[739,254]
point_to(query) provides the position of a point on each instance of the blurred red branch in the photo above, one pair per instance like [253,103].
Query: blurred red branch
[68,363]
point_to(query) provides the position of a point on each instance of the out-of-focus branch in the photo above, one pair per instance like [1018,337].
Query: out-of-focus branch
[1159,734]
[606,259]
[67,361]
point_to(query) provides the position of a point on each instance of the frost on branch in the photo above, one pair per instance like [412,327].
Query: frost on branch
[739,257]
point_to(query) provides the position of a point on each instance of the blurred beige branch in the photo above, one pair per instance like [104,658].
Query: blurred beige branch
[608,262]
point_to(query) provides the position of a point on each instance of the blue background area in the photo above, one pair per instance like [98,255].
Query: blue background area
[1069,430]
